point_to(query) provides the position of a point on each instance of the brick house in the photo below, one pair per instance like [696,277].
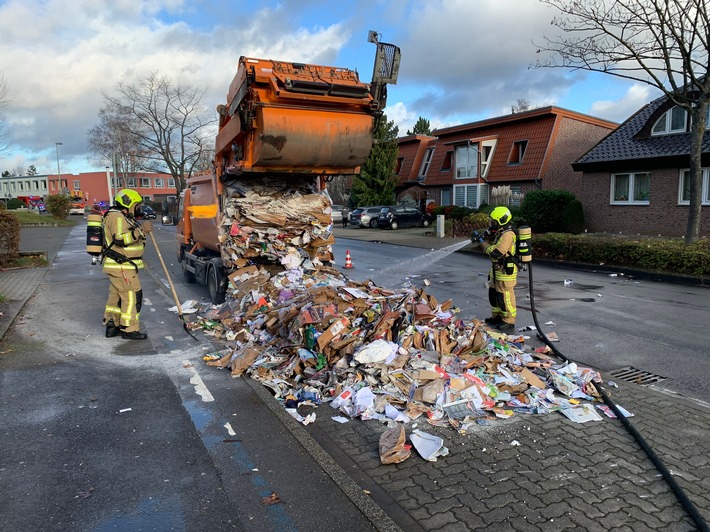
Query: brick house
[94,185]
[635,181]
[460,165]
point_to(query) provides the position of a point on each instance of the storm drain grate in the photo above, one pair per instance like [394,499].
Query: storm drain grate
[637,376]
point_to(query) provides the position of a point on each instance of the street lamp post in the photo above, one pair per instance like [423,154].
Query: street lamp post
[59,172]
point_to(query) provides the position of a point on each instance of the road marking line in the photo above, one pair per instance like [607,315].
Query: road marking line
[229,428]
[196,380]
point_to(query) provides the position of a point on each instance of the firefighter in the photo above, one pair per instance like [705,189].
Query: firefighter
[124,240]
[500,245]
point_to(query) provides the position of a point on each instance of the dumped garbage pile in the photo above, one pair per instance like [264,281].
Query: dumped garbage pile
[274,219]
[314,336]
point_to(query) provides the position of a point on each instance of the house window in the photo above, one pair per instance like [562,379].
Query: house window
[76,184]
[425,163]
[466,161]
[486,152]
[631,188]
[517,152]
[672,121]
[684,193]
[445,197]
[446,165]
[398,165]
[132,182]
[171,182]
[159,182]
[516,196]
[466,196]
[145,182]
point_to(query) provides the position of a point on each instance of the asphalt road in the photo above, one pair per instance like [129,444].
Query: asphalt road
[106,434]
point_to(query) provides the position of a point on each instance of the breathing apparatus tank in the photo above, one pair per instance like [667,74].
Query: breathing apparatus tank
[94,236]
[524,247]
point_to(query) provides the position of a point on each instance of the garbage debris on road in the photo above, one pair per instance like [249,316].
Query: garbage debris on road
[311,336]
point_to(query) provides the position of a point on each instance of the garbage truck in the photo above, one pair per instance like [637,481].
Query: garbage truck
[285,131]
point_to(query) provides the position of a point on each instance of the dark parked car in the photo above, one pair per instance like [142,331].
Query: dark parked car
[365,216]
[403,216]
[145,212]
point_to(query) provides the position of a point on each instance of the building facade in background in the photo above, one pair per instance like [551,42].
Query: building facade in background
[465,165]
[93,185]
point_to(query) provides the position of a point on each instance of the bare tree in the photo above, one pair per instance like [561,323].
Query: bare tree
[5,136]
[158,125]
[662,43]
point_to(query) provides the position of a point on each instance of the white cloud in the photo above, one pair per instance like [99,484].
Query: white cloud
[58,66]
[619,110]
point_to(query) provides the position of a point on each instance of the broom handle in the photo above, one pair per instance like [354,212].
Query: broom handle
[170,281]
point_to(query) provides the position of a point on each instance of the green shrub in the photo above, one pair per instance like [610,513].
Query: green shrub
[573,217]
[649,254]
[58,205]
[14,203]
[542,209]
[9,238]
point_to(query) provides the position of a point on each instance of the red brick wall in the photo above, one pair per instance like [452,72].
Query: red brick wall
[572,139]
[662,216]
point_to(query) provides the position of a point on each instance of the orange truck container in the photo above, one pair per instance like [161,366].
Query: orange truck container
[286,121]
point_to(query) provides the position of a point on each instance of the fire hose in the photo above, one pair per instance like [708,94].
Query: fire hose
[667,475]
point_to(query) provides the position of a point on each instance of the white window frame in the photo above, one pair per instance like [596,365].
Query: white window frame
[159,182]
[131,182]
[76,184]
[171,182]
[143,182]
[666,121]
[465,163]
[424,168]
[630,190]
[468,195]
[705,187]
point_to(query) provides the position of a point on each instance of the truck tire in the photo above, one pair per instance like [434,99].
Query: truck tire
[187,275]
[217,295]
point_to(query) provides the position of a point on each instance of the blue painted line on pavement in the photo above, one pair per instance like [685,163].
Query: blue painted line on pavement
[203,420]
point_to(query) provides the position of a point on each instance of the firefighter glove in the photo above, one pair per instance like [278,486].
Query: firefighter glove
[147,227]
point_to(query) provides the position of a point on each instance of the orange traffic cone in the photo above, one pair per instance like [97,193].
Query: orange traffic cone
[348,261]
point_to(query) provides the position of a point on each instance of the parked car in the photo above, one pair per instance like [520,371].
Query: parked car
[337,214]
[367,217]
[355,214]
[101,208]
[145,212]
[403,216]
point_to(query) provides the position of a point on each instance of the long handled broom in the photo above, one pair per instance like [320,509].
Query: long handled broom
[172,287]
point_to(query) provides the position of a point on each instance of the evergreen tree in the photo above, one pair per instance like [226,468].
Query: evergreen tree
[376,182]
[422,127]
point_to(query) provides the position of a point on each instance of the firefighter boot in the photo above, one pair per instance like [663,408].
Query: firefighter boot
[505,326]
[111,329]
[494,320]
[135,335]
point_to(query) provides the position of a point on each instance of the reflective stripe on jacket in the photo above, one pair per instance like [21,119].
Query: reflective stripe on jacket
[128,241]
[502,252]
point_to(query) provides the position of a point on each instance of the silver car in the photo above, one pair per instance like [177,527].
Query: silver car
[369,215]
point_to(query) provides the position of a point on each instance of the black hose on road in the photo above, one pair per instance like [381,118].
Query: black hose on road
[667,475]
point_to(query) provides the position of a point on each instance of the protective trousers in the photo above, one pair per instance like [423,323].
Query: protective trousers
[501,296]
[125,299]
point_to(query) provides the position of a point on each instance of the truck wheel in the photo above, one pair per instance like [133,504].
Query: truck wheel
[216,295]
[394,225]
[187,275]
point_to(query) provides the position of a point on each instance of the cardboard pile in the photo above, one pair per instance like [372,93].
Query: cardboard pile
[311,335]
[274,220]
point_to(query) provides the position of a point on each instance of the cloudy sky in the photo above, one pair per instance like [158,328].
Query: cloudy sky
[462,60]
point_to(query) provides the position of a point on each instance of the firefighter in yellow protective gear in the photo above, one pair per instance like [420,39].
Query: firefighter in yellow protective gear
[124,242]
[500,246]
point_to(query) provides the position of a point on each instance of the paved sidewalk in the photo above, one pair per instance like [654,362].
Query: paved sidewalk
[18,285]
[525,473]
